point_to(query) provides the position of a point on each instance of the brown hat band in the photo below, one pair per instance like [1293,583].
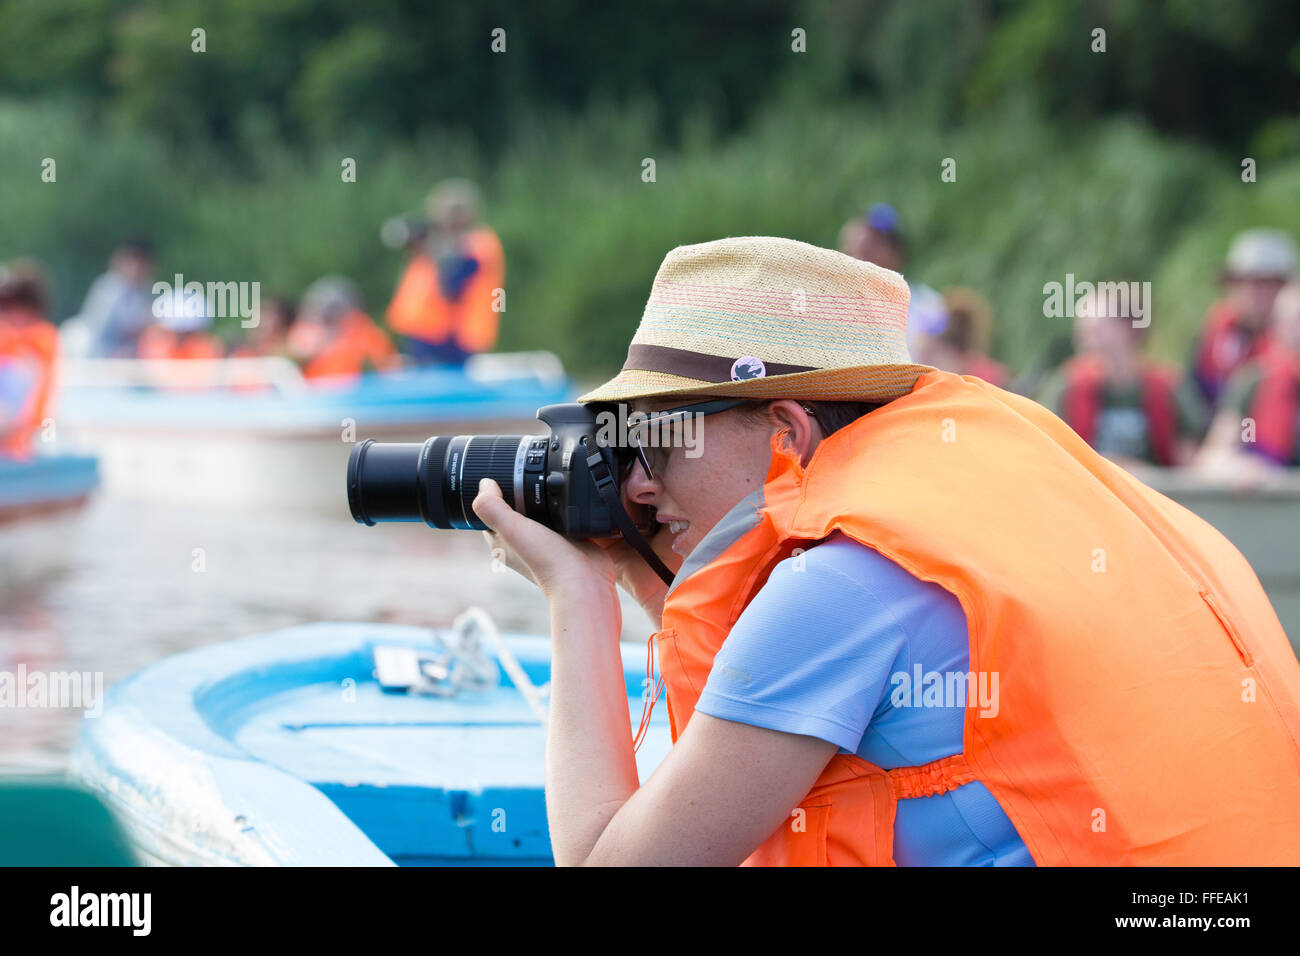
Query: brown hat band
[702,367]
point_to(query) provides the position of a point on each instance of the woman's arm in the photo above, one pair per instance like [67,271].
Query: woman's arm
[723,788]
[590,766]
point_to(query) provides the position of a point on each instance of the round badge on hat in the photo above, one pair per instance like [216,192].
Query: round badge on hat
[747,366]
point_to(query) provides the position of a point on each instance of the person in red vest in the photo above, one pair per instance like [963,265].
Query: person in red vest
[939,629]
[448,302]
[1129,407]
[956,338]
[333,338]
[1259,263]
[1257,429]
[29,346]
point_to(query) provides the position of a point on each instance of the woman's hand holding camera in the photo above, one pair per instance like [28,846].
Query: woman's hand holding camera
[562,567]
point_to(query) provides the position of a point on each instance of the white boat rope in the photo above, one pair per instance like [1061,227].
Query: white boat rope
[476,617]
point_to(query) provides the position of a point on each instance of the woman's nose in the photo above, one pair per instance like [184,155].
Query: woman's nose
[640,487]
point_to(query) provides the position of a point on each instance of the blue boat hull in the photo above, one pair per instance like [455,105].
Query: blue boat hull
[46,481]
[283,750]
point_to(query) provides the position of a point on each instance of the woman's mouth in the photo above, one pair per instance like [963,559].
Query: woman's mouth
[678,528]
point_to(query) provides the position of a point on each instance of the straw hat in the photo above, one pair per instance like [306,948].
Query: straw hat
[763,317]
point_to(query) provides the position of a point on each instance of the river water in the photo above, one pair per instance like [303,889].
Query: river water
[142,581]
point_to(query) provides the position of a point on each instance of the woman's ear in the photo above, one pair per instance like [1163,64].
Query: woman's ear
[803,431]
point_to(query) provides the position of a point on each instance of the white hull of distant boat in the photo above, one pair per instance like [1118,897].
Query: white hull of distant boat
[251,433]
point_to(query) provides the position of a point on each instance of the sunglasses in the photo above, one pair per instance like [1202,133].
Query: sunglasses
[637,451]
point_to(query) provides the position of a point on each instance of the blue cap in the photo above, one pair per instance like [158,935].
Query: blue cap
[882,218]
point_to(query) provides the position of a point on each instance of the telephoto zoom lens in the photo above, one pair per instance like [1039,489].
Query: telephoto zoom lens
[436,482]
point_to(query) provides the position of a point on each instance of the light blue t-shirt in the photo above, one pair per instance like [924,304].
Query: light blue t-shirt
[822,650]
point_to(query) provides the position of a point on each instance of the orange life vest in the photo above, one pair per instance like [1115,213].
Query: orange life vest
[357,343]
[420,310]
[1085,378]
[157,342]
[1149,703]
[28,338]
[1276,406]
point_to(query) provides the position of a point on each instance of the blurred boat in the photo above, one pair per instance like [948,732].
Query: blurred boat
[1262,521]
[285,750]
[252,432]
[41,500]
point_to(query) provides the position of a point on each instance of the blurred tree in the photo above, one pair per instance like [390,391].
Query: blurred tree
[1199,68]
[322,68]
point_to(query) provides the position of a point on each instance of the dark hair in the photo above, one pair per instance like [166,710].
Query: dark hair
[285,305]
[24,282]
[970,320]
[832,416]
[1138,332]
[139,246]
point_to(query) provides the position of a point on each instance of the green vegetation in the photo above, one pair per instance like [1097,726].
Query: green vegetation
[1103,165]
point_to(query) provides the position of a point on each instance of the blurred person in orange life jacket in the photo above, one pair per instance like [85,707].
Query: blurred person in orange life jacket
[1257,430]
[333,338]
[445,305]
[270,337]
[182,330]
[957,338]
[901,621]
[29,345]
[1128,407]
[1235,329]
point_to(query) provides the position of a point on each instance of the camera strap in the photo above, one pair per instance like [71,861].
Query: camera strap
[608,490]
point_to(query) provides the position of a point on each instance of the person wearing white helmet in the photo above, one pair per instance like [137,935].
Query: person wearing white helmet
[1236,328]
[1257,431]
[182,330]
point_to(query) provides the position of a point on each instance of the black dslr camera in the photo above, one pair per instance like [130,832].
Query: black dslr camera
[567,480]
